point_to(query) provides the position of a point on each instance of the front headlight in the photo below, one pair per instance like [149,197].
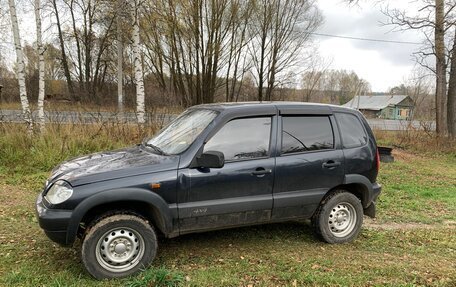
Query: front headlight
[59,192]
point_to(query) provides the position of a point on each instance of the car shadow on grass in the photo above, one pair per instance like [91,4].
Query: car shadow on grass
[292,229]
[213,242]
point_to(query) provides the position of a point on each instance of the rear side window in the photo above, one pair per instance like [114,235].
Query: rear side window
[306,133]
[353,134]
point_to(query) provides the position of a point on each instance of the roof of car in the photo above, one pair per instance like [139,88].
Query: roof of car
[282,106]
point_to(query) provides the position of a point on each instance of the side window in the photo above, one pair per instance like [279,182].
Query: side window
[351,129]
[306,133]
[242,139]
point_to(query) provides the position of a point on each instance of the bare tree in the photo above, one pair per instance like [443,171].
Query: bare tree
[238,61]
[20,67]
[200,46]
[282,28]
[65,65]
[440,66]
[340,86]
[420,88]
[312,78]
[434,20]
[90,36]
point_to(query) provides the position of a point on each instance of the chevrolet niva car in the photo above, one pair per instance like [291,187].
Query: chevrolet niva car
[215,166]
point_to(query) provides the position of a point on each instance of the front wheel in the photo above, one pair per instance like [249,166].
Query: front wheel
[339,218]
[118,246]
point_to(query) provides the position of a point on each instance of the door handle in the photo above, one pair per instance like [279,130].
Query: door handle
[261,171]
[331,164]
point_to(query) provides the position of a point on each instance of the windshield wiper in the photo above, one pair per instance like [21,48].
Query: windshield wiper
[156,148]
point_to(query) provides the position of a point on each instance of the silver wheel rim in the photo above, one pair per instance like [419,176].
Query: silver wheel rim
[342,219]
[120,249]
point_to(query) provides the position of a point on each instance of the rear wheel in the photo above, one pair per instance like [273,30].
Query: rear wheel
[118,246]
[339,217]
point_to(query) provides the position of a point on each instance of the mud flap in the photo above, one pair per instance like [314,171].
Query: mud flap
[370,210]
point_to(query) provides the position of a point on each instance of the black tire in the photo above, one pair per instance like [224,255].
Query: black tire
[118,245]
[339,218]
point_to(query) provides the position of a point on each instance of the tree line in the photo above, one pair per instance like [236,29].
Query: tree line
[184,52]
[193,51]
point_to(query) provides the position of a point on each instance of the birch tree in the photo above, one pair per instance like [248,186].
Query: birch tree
[120,6]
[20,67]
[137,63]
[40,50]
[451,108]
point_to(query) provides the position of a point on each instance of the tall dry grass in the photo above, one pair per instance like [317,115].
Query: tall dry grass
[23,154]
[420,141]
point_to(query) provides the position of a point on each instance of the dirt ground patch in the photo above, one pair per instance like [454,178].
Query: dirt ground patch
[405,156]
[373,224]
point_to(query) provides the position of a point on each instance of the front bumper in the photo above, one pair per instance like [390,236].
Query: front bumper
[54,222]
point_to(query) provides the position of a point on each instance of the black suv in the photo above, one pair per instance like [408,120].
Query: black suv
[215,166]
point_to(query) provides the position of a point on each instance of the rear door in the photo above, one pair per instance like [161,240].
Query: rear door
[309,164]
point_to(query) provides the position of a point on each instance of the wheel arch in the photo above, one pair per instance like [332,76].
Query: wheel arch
[143,202]
[361,192]
[355,188]
[360,186]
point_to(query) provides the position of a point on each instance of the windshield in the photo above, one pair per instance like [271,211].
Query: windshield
[181,132]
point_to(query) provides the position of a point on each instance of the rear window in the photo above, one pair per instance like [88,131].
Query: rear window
[306,133]
[353,133]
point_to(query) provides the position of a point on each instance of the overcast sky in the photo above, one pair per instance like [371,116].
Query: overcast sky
[384,65]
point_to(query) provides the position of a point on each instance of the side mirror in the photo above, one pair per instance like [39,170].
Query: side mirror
[214,159]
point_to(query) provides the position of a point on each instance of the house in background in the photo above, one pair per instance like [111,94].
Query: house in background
[392,107]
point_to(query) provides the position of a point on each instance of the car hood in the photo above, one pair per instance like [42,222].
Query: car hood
[111,165]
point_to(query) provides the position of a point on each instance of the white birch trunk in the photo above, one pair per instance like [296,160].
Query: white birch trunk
[140,109]
[20,67]
[119,58]
[40,50]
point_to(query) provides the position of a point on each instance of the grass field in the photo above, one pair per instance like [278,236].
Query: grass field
[411,243]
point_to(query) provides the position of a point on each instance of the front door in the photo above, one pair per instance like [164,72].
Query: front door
[241,191]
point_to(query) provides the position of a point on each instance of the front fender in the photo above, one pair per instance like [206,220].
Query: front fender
[118,195]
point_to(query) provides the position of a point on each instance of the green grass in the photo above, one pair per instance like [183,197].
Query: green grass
[411,243]
[418,189]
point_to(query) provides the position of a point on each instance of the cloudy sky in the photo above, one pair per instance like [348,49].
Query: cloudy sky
[384,65]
